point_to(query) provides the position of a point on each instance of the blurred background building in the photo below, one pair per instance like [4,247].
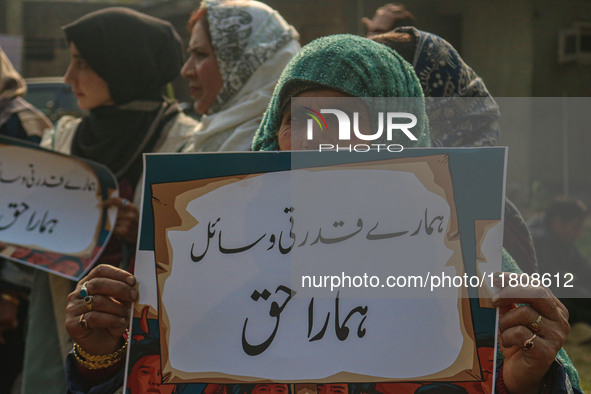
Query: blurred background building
[521,48]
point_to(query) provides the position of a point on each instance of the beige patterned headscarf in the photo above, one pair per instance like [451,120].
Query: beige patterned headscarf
[244,35]
[252,44]
[12,88]
[11,82]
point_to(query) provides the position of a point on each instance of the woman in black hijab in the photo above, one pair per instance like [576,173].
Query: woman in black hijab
[120,62]
[136,55]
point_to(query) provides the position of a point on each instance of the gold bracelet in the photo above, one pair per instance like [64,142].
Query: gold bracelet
[104,357]
[10,298]
[91,361]
[93,366]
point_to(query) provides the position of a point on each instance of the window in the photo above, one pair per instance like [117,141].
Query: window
[574,44]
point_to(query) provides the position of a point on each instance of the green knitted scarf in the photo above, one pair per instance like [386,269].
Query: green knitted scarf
[353,65]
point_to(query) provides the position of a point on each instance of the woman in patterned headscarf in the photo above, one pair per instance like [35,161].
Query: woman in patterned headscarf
[446,81]
[461,112]
[18,118]
[237,51]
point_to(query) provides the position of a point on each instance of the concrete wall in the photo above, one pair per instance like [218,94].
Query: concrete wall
[512,44]
[11,16]
[551,79]
[497,41]
[3,17]
[46,53]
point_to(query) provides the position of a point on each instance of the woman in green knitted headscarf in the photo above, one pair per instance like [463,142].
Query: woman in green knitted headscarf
[351,65]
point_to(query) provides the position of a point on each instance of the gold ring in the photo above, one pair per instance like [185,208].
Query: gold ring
[88,301]
[535,326]
[82,322]
[528,344]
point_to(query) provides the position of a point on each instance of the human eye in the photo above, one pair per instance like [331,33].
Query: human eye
[198,54]
[81,64]
[145,371]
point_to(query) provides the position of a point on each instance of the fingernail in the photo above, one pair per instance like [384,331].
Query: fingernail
[133,294]
[130,280]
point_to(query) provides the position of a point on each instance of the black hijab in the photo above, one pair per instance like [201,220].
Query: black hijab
[137,55]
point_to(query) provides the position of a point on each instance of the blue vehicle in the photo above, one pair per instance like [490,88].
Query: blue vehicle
[53,97]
